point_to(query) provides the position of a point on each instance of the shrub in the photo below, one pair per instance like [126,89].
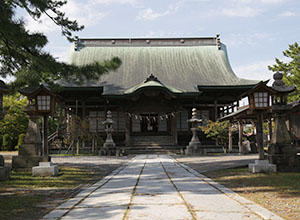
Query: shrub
[20,141]
[7,142]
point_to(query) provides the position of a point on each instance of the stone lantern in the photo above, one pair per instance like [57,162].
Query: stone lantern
[281,151]
[44,106]
[109,146]
[259,103]
[31,152]
[194,147]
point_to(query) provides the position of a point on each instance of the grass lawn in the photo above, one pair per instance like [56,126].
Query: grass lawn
[27,197]
[278,192]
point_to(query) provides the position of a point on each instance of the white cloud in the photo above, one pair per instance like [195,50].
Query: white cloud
[164,33]
[44,24]
[255,2]
[149,14]
[288,14]
[255,71]
[85,14]
[241,11]
[272,1]
[109,2]
[237,40]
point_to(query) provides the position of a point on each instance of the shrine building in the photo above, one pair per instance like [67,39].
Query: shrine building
[152,93]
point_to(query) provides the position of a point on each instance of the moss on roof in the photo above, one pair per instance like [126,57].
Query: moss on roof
[181,67]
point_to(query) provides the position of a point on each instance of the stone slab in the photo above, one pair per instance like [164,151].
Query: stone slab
[2,161]
[159,212]
[262,167]
[55,214]
[70,203]
[45,170]
[27,161]
[101,213]
[45,164]
[4,173]
[211,201]
[157,199]
[113,199]
[204,215]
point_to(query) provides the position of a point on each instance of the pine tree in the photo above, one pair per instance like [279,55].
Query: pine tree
[290,69]
[21,52]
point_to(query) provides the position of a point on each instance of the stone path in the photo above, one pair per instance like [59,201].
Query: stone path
[158,188]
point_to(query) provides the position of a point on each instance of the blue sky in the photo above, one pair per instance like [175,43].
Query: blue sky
[254,31]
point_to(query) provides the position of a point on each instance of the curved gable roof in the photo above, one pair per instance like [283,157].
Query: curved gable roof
[183,64]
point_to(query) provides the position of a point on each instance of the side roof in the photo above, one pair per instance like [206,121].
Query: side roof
[182,63]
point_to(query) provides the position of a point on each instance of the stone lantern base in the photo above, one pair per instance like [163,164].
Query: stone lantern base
[109,149]
[285,157]
[28,156]
[195,148]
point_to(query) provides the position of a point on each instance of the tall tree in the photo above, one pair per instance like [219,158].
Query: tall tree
[21,52]
[290,69]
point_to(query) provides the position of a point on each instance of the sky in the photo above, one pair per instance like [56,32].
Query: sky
[254,31]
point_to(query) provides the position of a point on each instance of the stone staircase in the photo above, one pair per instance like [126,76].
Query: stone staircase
[152,145]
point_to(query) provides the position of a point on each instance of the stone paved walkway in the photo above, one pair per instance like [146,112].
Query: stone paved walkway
[158,188]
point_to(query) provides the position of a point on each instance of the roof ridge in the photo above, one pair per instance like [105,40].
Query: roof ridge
[178,41]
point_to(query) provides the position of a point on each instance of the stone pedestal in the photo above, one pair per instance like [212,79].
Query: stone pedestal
[109,149]
[262,166]
[45,169]
[195,148]
[285,157]
[4,171]
[30,153]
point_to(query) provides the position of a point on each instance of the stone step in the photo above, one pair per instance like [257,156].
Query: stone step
[151,141]
[155,149]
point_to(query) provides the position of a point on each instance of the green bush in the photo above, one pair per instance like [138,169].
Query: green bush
[20,141]
[7,142]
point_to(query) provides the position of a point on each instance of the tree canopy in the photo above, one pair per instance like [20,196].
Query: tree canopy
[21,52]
[290,69]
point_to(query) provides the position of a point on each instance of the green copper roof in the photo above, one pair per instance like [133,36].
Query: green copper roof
[152,82]
[181,64]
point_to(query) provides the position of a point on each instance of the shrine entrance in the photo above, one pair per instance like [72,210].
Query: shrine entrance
[149,122]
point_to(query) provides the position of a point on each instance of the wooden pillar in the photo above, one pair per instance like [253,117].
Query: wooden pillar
[174,129]
[270,129]
[216,109]
[240,123]
[230,137]
[259,135]
[45,136]
[83,109]
[127,129]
